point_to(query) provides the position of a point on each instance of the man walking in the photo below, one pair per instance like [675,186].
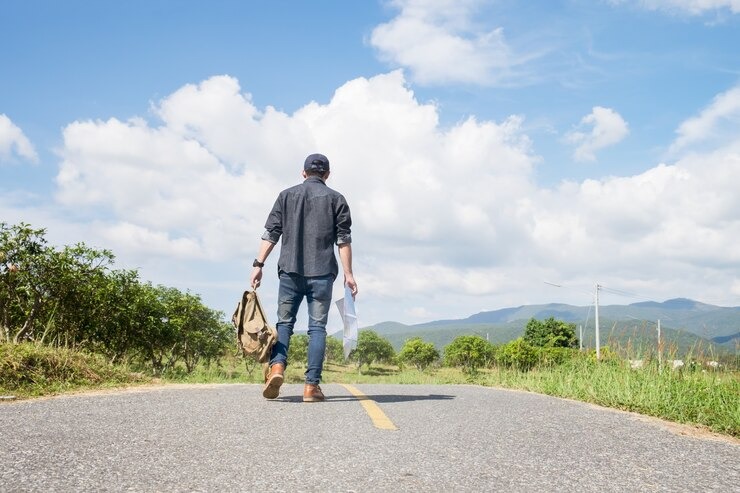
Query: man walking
[310,218]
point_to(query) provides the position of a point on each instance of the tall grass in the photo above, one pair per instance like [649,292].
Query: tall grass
[709,398]
[29,370]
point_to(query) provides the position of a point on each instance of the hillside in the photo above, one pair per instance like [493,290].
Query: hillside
[684,323]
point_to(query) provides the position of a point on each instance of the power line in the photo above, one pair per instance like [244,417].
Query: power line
[621,292]
[568,287]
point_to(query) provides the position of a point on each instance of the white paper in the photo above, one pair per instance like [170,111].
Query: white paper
[347,311]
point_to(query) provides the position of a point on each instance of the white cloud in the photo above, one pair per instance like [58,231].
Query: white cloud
[735,289]
[717,122]
[439,43]
[133,238]
[608,128]
[446,220]
[693,7]
[14,142]
[198,187]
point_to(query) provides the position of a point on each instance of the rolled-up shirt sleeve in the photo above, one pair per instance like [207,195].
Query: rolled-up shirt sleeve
[274,223]
[343,221]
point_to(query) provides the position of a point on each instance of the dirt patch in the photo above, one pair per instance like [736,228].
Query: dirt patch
[694,431]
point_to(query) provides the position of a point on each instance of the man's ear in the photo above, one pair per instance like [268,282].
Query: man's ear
[303,174]
[326,175]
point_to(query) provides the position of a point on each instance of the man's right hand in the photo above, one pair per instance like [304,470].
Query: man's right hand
[349,281]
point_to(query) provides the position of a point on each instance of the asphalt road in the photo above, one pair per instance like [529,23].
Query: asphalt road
[448,438]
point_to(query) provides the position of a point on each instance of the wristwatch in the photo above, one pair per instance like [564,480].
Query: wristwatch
[257,263]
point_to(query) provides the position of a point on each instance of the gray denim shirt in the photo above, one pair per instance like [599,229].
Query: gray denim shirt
[311,218]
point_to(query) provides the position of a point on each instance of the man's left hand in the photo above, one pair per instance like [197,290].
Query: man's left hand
[256,277]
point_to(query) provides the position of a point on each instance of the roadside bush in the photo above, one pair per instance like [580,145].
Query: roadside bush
[470,353]
[518,354]
[298,350]
[334,350]
[372,348]
[418,353]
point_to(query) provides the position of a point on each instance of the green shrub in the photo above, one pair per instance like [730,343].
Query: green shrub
[518,354]
[470,353]
[418,353]
[372,348]
[334,350]
[298,350]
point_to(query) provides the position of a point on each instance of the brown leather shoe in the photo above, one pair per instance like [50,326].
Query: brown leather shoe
[274,381]
[312,393]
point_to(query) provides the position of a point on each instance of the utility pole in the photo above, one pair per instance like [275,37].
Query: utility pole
[580,337]
[596,312]
[660,357]
[598,343]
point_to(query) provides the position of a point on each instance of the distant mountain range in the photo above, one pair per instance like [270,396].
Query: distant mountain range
[685,323]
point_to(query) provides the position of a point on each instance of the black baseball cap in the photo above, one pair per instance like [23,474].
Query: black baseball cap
[316,162]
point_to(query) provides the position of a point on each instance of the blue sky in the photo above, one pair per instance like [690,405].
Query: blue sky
[483,146]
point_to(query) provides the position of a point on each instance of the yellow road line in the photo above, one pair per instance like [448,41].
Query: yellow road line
[378,417]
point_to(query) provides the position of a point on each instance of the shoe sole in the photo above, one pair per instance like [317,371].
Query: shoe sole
[313,399]
[272,389]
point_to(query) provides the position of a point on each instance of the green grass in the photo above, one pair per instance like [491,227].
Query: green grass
[230,369]
[30,370]
[711,399]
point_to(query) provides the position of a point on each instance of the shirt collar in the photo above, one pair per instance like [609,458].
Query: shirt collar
[314,179]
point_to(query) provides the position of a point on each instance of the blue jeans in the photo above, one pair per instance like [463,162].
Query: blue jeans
[317,291]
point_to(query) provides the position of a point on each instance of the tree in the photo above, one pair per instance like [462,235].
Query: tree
[23,264]
[418,353]
[372,348]
[551,333]
[72,297]
[152,334]
[181,329]
[117,335]
[46,293]
[200,333]
[470,353]
[76,279]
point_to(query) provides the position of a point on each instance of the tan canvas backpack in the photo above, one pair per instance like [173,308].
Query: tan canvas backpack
[254,335]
